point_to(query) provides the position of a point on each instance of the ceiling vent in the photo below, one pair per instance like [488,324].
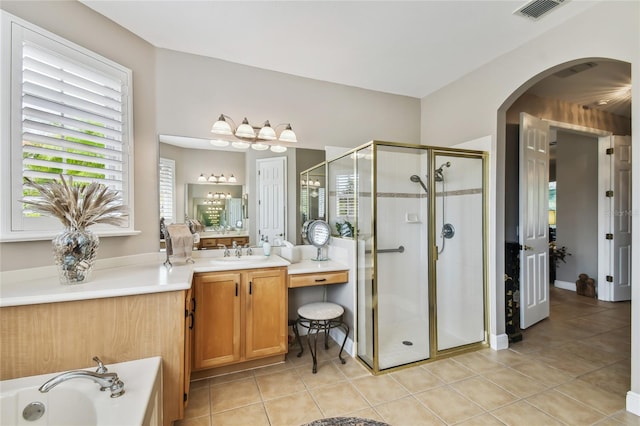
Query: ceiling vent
[568,72]
[535,9]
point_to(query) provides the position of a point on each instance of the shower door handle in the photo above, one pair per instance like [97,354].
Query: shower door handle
[396,250]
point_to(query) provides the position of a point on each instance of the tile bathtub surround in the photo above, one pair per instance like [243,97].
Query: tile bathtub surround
[571,369]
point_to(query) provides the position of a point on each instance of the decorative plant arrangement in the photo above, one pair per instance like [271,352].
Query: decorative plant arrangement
[557,254]
[345,229]
[77,207]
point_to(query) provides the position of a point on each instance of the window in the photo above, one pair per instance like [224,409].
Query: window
[167,194]
[345,195]
[69,112]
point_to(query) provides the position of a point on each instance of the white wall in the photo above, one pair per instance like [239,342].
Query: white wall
[577,205]
[474,106]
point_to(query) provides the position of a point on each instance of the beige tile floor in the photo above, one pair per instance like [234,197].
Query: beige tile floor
[570,369]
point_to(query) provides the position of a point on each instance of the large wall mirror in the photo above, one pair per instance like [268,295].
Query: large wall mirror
[313,200]
[184,196]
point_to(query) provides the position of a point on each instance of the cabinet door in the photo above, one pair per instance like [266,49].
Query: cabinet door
[266,313]
[188,337]
[217,336]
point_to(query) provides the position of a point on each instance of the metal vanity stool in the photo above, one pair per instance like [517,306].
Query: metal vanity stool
[317,317]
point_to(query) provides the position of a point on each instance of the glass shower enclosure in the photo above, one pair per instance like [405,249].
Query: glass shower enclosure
[417,214]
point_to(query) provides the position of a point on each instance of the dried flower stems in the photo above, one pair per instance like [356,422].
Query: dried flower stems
[77,206]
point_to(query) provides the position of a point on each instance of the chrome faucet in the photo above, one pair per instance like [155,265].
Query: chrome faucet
[105,380]
[226,250]
[238,249]
[249,249]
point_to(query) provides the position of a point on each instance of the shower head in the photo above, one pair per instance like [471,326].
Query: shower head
[416,179]
[438,175]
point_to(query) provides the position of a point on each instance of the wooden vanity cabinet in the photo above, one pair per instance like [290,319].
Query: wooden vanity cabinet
[239,316]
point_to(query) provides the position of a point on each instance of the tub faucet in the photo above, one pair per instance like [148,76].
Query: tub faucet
[105,380]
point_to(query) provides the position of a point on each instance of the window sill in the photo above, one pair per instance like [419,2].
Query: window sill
[40,236]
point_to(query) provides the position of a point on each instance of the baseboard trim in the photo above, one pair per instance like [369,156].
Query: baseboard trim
[338,336]
[565,285]
[498,341]
[633,403]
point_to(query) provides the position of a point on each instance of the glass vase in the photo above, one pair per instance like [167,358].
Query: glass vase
[74,251]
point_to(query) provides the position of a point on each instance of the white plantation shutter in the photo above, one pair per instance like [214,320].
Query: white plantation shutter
[70,114]
[345,195]
[167,193]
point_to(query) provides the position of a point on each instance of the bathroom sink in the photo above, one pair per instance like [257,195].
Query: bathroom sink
[234,263]
[256,258]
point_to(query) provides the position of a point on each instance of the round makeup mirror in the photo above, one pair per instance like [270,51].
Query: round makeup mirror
[317,232]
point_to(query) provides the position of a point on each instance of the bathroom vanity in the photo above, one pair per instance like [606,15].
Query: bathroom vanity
[240,315]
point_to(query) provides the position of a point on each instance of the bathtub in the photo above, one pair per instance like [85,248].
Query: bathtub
[79,402]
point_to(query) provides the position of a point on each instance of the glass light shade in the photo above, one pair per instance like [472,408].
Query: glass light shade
[222,178]
[212,178]
[221,127]
[240,145]
[245,130]
[202,178]
[219,142]
[216,196]
[288,135]
[278,148]
[259,146]
[232,179]
[316,183]
[267,133]
[228,195]
[209,195]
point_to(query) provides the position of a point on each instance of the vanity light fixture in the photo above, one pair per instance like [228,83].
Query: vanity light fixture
[217,179]
[248,136]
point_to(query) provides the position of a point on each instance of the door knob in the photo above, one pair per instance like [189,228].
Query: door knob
[526,247]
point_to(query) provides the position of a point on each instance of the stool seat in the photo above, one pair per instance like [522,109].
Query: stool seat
[320,311]
[320,317]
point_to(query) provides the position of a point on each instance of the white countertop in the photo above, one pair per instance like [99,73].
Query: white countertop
[309,266]
[146,274]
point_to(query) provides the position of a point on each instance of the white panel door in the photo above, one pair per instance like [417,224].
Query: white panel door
[620,281]
[534,220]
[272,196]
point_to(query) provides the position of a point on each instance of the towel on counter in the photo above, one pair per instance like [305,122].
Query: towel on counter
[180,241]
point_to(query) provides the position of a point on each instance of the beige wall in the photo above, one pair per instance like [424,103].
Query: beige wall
[79,24]
[194,90]
[474,107]
[182,94]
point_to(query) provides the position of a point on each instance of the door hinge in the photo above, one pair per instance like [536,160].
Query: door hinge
[609,278]
[609,236]
[609,151]
[608,194]
[185,397]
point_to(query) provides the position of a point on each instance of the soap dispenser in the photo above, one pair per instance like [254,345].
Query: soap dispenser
[266,247]
[261,242]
